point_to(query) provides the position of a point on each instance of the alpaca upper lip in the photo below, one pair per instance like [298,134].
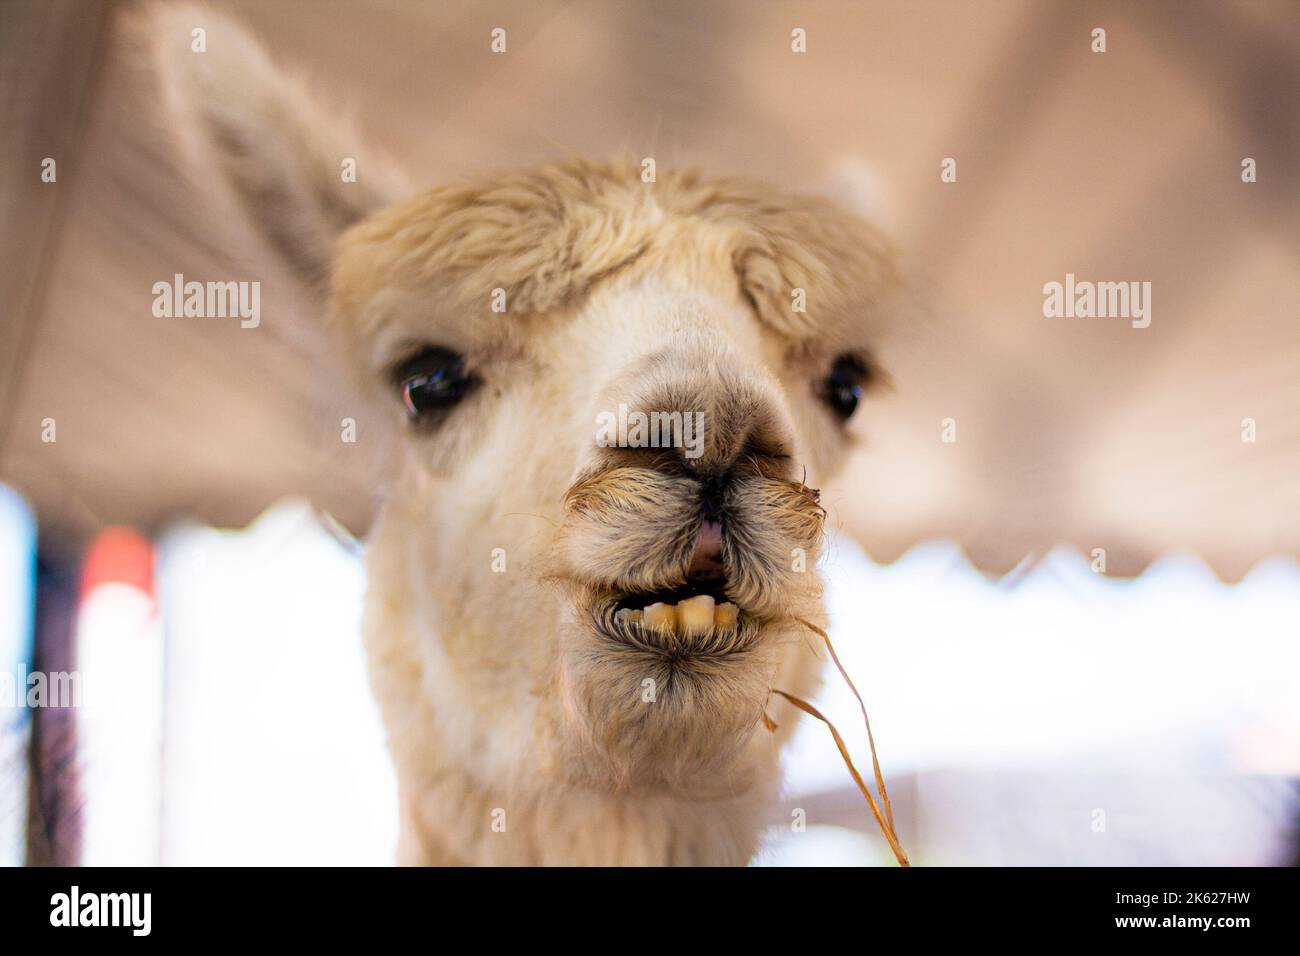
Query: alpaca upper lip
[705,574]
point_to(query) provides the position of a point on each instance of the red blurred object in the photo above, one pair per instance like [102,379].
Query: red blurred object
[121,556]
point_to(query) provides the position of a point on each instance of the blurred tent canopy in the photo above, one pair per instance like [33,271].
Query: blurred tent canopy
[1117,166]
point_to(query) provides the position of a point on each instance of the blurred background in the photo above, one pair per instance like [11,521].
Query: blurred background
[1032,703]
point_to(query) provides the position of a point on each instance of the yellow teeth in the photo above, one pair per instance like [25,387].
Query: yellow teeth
[725,616]
[661,617]
[693,616]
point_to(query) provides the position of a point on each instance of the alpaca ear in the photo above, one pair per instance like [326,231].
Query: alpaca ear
[288,165]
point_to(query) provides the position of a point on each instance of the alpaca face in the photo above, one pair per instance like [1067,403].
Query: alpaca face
[542,552]
[560,603]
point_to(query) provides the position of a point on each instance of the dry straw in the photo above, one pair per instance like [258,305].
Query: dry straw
[884,820]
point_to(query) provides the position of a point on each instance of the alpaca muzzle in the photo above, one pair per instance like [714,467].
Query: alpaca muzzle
[686,570]
[681,616]
[688,563]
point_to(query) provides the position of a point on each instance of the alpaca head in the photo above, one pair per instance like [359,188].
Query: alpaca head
[601,397]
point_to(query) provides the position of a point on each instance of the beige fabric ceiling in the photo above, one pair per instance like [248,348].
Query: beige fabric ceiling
[1120,166]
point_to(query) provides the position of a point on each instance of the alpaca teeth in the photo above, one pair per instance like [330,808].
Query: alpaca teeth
[692,616]
[661,617]
[725,616]
[695,615]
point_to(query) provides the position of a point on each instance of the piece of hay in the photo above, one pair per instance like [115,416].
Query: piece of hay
[886,820]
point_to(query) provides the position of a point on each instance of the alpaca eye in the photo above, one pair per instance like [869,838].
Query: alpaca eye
[842,388]
[433,380]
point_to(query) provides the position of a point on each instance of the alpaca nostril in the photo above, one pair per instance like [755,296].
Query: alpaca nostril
[706,556]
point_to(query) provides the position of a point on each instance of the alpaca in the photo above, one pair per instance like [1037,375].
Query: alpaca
[572,641]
